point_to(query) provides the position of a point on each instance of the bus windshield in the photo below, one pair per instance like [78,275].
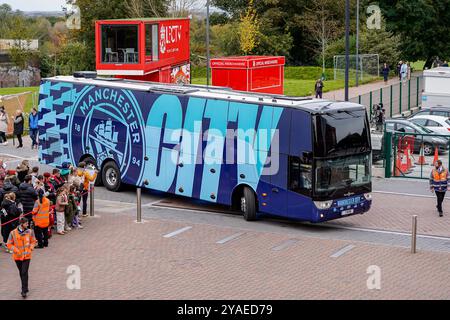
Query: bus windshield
[341,133]
[335,177]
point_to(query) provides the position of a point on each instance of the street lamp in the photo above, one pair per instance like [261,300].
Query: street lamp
[207,42]
[357,42]
[347,45]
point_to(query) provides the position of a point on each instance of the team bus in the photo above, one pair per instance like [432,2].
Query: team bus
[298,158]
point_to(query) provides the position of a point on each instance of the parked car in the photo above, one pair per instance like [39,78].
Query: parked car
[435,111]
[437,124]
[429,142]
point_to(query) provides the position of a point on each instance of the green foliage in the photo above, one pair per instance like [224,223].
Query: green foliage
[423,27]
[73,57]
[218,18]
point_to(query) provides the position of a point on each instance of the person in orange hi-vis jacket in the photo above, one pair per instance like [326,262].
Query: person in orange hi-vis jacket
[21,242]
[41,218]
[87,178]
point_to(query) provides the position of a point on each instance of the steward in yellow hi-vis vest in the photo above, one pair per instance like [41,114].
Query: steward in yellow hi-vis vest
[439,184]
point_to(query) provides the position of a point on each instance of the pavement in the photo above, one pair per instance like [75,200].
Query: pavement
[186,249]
[339,95]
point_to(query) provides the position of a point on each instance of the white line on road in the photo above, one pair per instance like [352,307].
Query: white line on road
[407,194]
[176,232]
[232,237]
[285,244]
[342,251]
[400,233]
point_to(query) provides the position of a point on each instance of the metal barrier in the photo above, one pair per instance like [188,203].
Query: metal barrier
[397,99]
[411,155]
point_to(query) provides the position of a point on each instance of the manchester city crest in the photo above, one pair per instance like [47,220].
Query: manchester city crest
[107,123]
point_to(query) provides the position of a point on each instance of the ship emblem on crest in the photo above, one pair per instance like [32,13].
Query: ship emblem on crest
[105,139]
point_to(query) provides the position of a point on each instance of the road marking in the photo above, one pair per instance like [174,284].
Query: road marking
[229,214]
[342,251]
[232,237]
[406,194]
[176,232]
[285,244]
[398,233]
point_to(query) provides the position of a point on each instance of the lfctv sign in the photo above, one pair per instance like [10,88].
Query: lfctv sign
[169,36]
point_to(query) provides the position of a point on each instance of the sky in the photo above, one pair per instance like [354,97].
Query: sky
[50,5]
[35,5]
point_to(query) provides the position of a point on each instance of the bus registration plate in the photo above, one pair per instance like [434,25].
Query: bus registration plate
[349,202]
[347,212]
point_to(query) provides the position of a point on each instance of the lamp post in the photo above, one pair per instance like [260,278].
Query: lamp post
[347,45]
[207,42]
[357,42]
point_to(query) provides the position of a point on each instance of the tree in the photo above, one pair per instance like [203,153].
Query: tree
[320,22]
[248,29]
[422,26]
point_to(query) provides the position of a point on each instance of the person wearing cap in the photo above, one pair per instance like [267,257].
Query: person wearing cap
[3,126]
[11,175]
[439,178]
[21,242]
[41,219]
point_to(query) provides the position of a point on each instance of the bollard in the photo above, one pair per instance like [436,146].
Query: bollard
[139,205]
[414,234]
[91,199]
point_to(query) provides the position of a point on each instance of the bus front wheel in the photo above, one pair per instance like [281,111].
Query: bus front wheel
[111,176]
[248,204]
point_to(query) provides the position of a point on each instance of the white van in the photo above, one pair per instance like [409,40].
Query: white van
[436,88]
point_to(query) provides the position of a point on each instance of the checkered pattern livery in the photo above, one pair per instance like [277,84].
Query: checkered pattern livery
[55,108]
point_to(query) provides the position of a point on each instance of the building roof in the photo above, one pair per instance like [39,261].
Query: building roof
[307,104]
[143,19]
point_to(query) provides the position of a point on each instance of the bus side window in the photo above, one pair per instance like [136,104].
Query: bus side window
[300,175]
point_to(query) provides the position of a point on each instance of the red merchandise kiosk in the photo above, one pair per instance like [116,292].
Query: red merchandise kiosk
[144,49]
[249,73]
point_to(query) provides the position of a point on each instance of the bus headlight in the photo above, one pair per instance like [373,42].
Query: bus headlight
[368,196]
[322,205]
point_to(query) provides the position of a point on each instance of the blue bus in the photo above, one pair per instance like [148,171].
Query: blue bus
[298,158]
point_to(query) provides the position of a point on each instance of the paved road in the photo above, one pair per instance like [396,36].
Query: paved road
[190,250]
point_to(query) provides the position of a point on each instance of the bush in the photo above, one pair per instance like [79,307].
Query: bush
[299,73]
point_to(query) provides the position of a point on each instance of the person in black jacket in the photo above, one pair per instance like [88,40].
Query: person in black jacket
[18,127]
[27,196]
[8,187]
[9,214]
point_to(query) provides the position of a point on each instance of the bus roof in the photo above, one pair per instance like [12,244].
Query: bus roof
[201,91]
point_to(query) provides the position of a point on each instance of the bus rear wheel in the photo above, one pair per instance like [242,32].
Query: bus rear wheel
[111,176]
[248,204]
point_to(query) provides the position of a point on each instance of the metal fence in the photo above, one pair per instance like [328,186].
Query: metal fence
[409,155]
[397,99]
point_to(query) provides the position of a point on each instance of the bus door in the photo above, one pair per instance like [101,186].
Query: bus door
[299,169]
[275,171]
